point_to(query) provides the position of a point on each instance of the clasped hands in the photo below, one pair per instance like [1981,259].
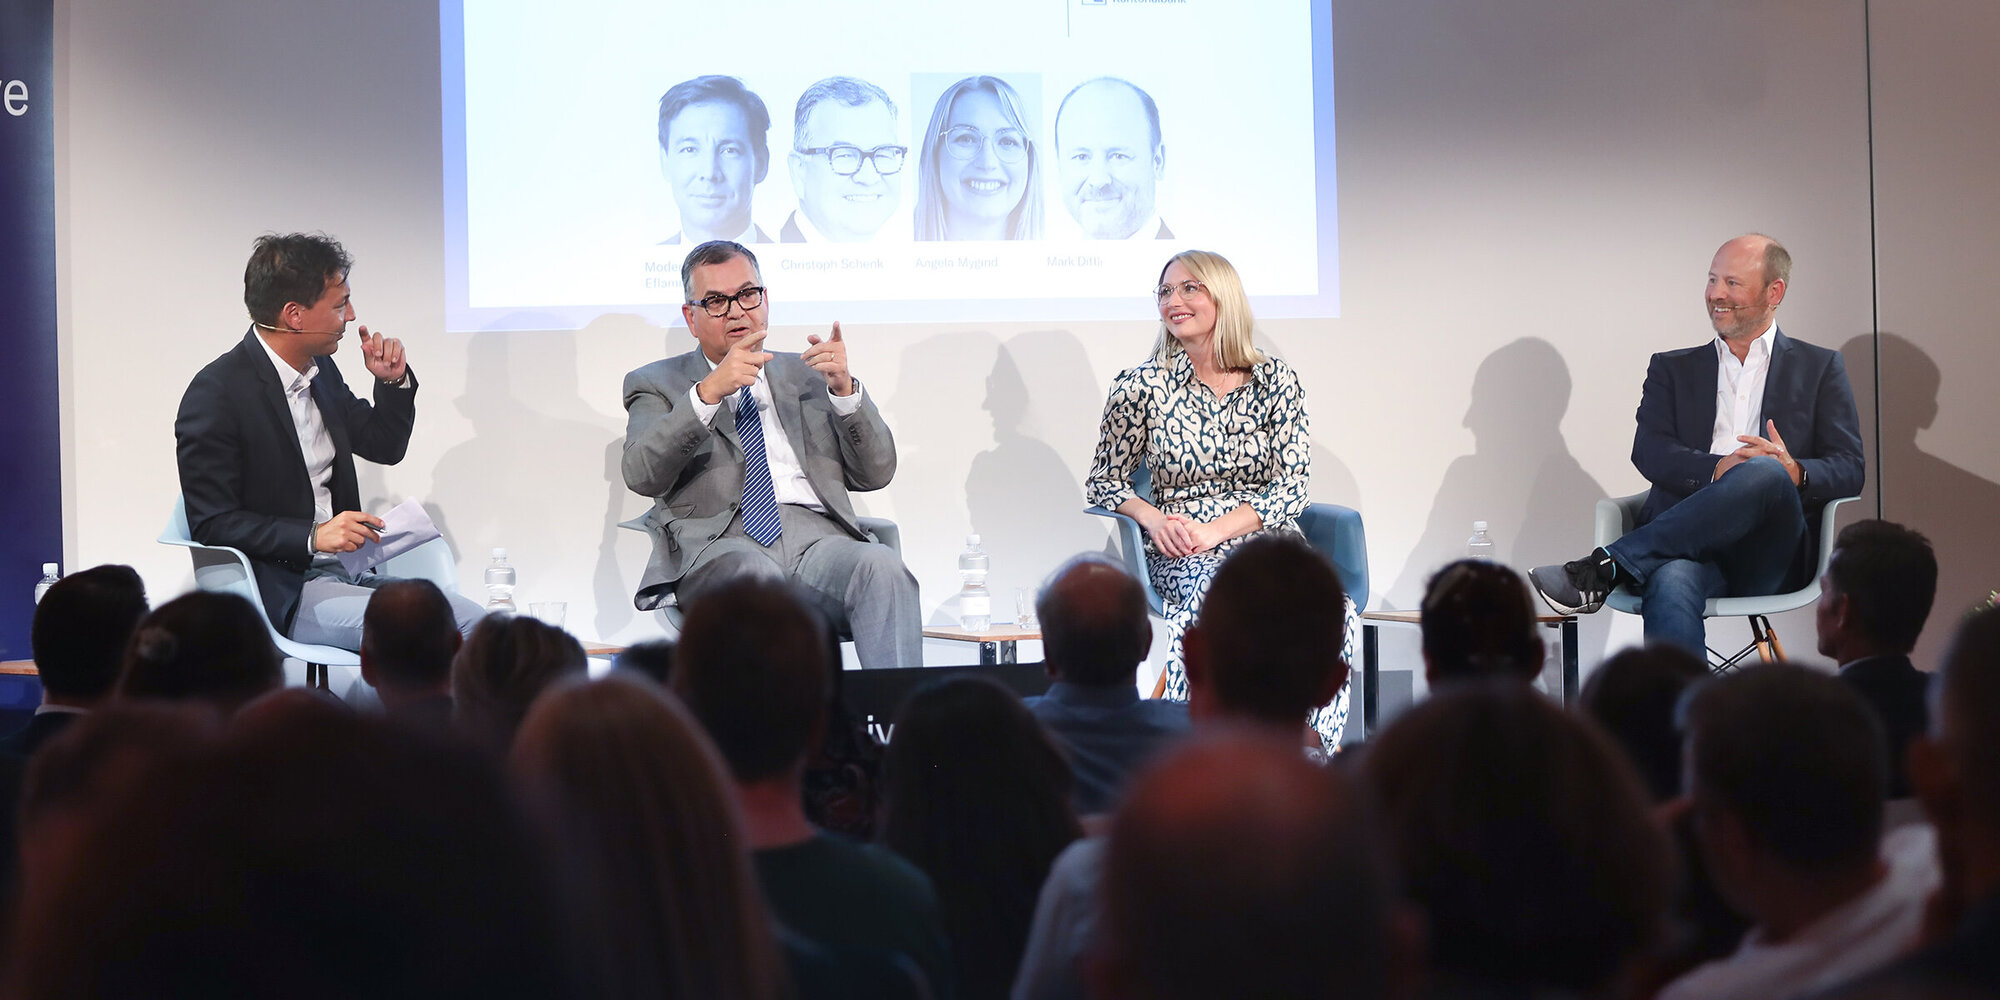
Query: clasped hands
[747,356]
[1756,447]
[1177,535]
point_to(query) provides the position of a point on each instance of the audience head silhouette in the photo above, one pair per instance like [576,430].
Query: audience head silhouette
[80,630]
[408,638]
[1478,621]
[1525,838]
[1235,868]
[1094,626]
[1878,590]
[1266,647]
[327,856]
[1633,695]
[508,661]
[636,796]
[751,665]
[202,646]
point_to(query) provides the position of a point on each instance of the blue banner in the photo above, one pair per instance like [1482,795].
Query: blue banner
[30,445]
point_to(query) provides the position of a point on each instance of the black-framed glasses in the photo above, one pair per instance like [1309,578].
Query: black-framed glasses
[963,142]
[846,160]
[717,305]
[1188,289]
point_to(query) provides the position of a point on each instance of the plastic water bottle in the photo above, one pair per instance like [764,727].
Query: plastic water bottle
[975,603]
[1480,545]
[500,583]
[49,578]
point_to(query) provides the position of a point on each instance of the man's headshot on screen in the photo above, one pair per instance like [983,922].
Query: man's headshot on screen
[846,162]
[714,151]
[1109,159]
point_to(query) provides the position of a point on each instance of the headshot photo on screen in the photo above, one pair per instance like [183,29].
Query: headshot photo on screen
[846,163]
[1109,160]
[977,175]
[714,151]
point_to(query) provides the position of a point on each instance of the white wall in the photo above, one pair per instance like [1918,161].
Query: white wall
[1530,194]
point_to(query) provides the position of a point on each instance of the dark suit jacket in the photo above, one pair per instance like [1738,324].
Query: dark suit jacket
[23,742]
[790,231]
[1805,392]
[694,472]
[1898,692]
[244,477]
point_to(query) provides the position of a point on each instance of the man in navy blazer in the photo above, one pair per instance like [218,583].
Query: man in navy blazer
[267,435]
[1744,439]
[1873,601]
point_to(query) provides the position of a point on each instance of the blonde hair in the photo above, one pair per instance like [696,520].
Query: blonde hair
[1233,322]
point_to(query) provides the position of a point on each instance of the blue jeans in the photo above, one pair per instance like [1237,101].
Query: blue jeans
[1736,537]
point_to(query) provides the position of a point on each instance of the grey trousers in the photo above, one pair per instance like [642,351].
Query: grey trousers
[862,587]
[331,605]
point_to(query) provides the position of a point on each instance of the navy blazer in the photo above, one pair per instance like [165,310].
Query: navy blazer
[244,477]
[1805,392]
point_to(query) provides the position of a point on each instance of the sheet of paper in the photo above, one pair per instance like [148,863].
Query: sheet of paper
[404,527]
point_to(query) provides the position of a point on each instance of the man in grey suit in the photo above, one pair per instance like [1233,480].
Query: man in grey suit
[749,456]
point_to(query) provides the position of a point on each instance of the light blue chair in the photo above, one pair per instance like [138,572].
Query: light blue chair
[1334,530]
[226,570]
[881,529]
[1618,515]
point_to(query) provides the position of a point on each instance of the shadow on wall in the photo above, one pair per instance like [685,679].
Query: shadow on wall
[1520,479]
[1025,501]
[1952,506]
[936,438]
[508,484]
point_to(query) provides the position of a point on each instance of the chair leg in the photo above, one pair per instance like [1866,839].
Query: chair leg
[316,677]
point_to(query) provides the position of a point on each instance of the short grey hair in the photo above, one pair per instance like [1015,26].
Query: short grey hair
[713,252]
[845,89]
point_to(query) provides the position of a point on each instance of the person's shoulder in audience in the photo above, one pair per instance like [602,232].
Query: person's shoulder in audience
[23,742]
[842,892]
[1065,920]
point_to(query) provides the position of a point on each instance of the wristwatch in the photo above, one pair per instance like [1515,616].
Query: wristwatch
[1805,478]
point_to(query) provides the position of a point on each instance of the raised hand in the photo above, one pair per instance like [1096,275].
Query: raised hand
[829,358]
[737,368]
[384,357]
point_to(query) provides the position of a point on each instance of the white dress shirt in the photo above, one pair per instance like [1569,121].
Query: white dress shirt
[788,476]
[1739,391]
[314,441]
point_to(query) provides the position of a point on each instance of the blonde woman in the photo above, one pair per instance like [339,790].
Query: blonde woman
[977,175]
[1222,429]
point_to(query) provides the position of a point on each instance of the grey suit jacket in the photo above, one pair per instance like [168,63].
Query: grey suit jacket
[694,472]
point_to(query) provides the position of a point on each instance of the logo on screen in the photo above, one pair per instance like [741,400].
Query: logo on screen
[1095,3]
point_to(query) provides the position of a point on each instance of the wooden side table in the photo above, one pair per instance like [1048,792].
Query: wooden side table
[996,644]
[1371,655]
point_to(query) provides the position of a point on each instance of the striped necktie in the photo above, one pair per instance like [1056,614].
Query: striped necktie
[760,503]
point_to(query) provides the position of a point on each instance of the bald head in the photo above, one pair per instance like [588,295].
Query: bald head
[1094,627]
[1218,872]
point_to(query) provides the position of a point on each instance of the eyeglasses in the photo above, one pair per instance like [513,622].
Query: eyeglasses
[717,305]
[1188,289]
[963,142]
[846,160]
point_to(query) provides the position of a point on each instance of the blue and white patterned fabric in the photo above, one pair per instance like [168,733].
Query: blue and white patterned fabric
[1208,454]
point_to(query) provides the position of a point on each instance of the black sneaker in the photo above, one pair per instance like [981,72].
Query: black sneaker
[1578,587]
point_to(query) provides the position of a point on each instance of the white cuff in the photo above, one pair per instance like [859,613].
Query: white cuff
[704,412]
[846,405]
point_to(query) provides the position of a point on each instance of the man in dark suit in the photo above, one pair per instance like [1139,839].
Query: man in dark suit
[714,150]
[79,635]
[749,457]
[267,435]
[1873,601]
[1744,439]
[846,166]
[1110,159]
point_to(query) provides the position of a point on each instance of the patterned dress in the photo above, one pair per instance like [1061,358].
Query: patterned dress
[1208,455]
